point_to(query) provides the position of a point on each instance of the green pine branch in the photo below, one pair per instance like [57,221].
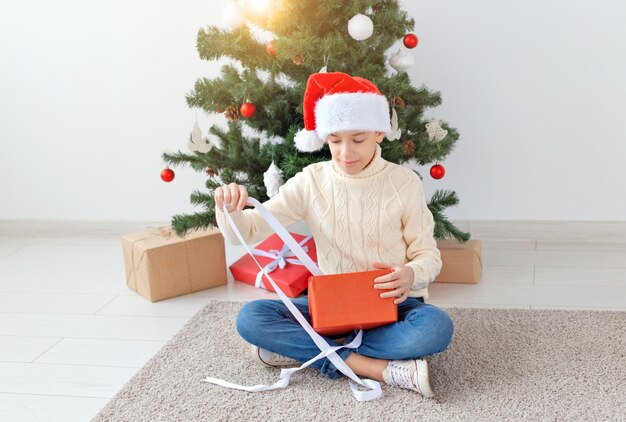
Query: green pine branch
[184,223]
[444,229]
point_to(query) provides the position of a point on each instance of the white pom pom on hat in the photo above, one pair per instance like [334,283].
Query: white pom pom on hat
[308,141]
[335,102]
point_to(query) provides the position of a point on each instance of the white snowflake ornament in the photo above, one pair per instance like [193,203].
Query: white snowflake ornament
[199,143]
[401,61]
[435,131]
[273,179]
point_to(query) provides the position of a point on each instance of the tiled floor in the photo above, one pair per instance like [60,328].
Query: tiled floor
[71,333]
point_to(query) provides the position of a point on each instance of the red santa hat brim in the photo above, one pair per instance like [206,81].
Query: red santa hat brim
[361,111]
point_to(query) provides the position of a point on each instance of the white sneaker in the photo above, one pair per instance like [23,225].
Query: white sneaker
[271,359]
[409,374]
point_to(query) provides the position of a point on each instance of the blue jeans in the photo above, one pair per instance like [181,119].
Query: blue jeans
[421,330]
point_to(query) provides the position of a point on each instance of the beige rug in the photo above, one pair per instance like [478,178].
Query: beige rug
[501,365]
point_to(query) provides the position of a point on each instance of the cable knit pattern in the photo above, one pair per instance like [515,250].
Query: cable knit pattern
[371,233]
[379,214]
[342,239]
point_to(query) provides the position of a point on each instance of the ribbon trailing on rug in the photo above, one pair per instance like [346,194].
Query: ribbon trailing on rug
[326,350]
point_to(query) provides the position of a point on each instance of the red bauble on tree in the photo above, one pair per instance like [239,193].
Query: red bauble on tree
[271,48]
[410,40]
[437,171]
[167,174]
[247,109]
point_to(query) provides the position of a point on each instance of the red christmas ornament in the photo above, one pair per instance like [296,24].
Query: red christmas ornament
[437,171]
[410,40]
[271,48]
[247,109]
[167,175]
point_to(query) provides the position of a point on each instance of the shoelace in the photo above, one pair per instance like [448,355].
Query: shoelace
[404,377]
[282,360]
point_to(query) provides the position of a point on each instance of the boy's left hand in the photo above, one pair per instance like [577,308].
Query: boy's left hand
[398,282]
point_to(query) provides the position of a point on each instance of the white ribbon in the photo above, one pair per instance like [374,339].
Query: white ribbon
[280,260]
[326,351]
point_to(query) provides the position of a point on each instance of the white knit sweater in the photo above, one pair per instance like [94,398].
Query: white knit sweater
[379,214]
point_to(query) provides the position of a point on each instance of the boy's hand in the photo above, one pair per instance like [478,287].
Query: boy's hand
[398,282]
[233,195]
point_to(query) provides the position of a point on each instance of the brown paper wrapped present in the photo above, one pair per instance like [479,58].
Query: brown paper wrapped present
[462,262]
[160,265]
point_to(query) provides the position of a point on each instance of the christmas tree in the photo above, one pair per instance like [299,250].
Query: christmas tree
[262,88]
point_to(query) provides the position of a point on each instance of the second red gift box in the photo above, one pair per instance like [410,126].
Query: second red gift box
[284,267]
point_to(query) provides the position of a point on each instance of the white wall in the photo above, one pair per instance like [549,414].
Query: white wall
[537,90]
[92,92]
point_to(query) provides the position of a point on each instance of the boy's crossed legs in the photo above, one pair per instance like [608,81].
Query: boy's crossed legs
[386,353]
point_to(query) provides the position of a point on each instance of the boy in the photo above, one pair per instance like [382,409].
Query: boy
[364,213]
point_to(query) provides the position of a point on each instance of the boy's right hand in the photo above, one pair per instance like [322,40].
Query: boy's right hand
[233,195]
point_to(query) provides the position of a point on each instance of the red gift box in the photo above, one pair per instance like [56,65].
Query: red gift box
[292,278]
[339,303]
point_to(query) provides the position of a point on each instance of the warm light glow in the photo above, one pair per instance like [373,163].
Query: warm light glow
[260,6]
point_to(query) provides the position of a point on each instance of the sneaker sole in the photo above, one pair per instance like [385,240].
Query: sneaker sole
[423,379]
[255,351]
[256,356]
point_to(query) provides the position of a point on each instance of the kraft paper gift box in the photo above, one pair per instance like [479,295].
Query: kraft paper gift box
[161,265]
[339,303]
[462,262]
[288,275]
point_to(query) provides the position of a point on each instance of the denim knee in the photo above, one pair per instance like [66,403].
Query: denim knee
[435,327]
[442,329]
[248,318]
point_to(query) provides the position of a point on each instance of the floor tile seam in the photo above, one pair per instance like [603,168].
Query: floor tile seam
[82,338]
[89,315]
[62,293]
[105,305]
[52,395]
[46,351]
[70,364]
[548,265]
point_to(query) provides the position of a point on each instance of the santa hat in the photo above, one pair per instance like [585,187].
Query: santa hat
[336,102]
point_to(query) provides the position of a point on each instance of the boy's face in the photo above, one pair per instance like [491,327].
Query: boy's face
[353,150]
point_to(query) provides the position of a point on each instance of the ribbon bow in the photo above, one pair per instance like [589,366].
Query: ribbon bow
[280,259]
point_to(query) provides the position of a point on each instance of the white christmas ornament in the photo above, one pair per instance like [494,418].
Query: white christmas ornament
[401,61]
[435,131]
[360,27]
[395,131]
[199,143]
[324,69]
[241,176]
[273,179]
[233,16]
